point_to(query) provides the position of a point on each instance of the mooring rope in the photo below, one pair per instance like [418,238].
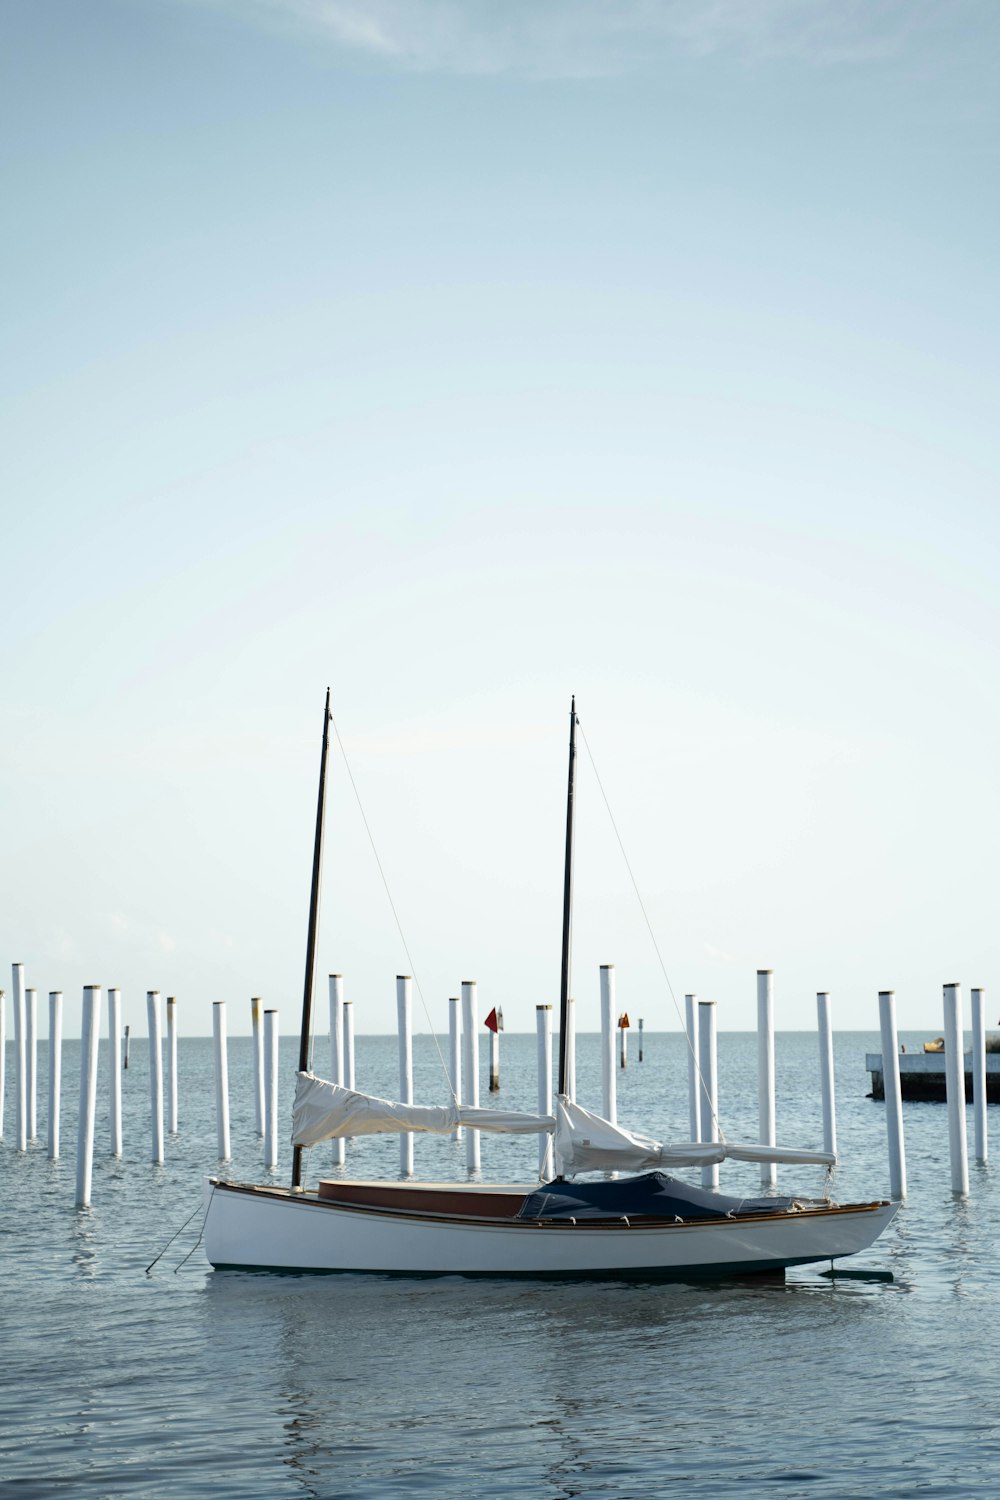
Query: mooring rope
[187,1221]
[201,1232]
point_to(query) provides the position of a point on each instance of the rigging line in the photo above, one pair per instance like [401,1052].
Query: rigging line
[642,907]
[392,904]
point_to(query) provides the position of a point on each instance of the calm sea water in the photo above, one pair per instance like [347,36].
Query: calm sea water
[181,1382]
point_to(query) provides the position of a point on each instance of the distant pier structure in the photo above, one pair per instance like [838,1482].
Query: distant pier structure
[922,1074]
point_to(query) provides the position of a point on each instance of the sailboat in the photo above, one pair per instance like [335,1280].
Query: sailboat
[645,1224]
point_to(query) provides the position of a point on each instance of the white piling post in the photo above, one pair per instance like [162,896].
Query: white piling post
[543,1027]
[125,1050]
[609,1085]
[336,984]
[155,1028]
[55,1070]
[89,1037]
[708,1064]
[404,1026]
[494,1061]
[115,1065]
[172,1063]
[455,1052]
[348,1048]
[954,1079]
[694,1088]
[640,1039]
[31,1047]
[765,1072]
[271,1088]
[824,1025]
[20,1058]
[470,1068]
[623,1052]
[571,1051]
[979,1073]
[221,1078]
[3,1057]
[893,1094]
[348,1044]
[256,1012]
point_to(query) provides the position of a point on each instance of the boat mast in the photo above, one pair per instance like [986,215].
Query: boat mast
[567,905]
[307,994]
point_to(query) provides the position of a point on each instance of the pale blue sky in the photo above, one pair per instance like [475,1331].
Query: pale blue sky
[465,356]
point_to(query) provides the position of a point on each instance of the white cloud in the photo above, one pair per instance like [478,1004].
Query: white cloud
[587,38]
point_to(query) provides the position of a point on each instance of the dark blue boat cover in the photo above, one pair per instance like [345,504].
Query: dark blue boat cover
[654,1195]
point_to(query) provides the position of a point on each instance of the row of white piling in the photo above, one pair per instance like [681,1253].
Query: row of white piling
[172,1063]
[164,1083]
[90,1032]
[404,1019]
[271,1088]
[336,984]
[702,1071]
[543,1031]
[702,1077]
[55,1070]
[455,1053]
[979,1073]
[893,1093]
[463,1062]
[708,1066]
[828,1098]
[954,1074]
[765,1072]
[342,1065]
[155,1034]
[220,1051]
[117,1062]
[26,1048]
[954,1063]
[609,1076]
[89,1037]
[470,1069]
[694,1092]
[264,1025]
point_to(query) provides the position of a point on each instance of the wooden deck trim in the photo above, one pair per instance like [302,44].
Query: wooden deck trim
[634,1225]
[453,1199]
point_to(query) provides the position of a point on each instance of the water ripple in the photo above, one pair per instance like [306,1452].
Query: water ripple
[186,1383]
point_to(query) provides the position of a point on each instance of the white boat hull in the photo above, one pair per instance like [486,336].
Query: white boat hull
[270,1229]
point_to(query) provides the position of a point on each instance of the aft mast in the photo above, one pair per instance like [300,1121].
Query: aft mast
[307,994]
[567,905]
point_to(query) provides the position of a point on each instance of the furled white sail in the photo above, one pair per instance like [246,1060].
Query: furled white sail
[739,1151]
[323,1111]
[585,1142]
